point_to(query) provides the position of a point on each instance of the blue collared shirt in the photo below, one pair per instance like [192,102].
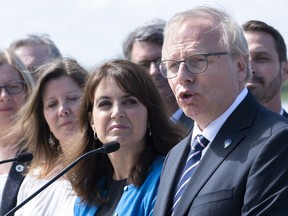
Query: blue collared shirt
[138,201]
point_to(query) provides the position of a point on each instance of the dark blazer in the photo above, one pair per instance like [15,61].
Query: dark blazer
[14,180]
[186,122]
[285,114]
[249,177]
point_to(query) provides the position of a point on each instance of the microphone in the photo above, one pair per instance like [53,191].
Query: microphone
[23,157]
[105,149]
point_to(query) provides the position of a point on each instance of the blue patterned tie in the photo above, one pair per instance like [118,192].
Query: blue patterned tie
[199,143]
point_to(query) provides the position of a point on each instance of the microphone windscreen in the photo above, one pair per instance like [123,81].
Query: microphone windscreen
[24,157]
[111,147]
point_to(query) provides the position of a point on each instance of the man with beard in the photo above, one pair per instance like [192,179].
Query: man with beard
[143,46]
[268,61]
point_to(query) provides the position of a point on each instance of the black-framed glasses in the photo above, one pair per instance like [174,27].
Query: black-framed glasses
[197,63]
[146,64]
[14,87]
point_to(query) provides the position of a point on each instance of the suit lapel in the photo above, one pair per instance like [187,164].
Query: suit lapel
[285,114]
[219,149]
[173,163]
[209,164]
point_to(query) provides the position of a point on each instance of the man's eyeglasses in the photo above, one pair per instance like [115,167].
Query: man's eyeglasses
[147,64]
[14,87]
[197,63]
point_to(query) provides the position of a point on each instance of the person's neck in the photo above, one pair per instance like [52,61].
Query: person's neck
[122,164]
[274,104]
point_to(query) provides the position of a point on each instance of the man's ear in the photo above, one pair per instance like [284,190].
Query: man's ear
[242,66]
[284,71]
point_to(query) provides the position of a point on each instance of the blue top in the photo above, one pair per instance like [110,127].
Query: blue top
[135,200]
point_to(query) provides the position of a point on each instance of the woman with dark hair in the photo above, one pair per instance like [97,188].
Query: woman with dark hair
[120,103]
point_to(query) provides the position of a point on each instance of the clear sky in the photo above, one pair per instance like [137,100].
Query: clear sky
[92,31]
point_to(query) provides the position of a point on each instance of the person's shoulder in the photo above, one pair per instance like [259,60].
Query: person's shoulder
[158,161]
[155,169]
[156,166]
[152,179]
[82,208]
[273,118]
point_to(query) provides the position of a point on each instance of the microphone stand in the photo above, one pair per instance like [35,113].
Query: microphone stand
[102,149]
[23,157]
[8,160]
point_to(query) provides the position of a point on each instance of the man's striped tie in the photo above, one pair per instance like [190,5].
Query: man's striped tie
[199,143]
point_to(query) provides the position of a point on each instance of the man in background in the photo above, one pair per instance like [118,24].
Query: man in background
[143,46]
[35,50]
[268,61]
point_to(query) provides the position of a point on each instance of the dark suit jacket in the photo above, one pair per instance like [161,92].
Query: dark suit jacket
[186,122]
[14,180]
[249,177]
[285,114]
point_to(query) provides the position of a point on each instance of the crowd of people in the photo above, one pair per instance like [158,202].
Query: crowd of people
[194,105]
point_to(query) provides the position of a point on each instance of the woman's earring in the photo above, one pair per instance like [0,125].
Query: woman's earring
[149,131]
[95,135]
[51,141]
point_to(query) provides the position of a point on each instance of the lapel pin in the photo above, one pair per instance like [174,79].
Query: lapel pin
[227,143]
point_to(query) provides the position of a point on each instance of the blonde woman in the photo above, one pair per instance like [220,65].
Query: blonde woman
[16,84]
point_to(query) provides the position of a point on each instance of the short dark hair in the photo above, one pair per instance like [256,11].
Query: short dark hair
[259,26]
[151,31]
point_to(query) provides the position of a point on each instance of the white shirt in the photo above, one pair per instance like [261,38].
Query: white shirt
[213,128]
[56,200]
[3,179]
